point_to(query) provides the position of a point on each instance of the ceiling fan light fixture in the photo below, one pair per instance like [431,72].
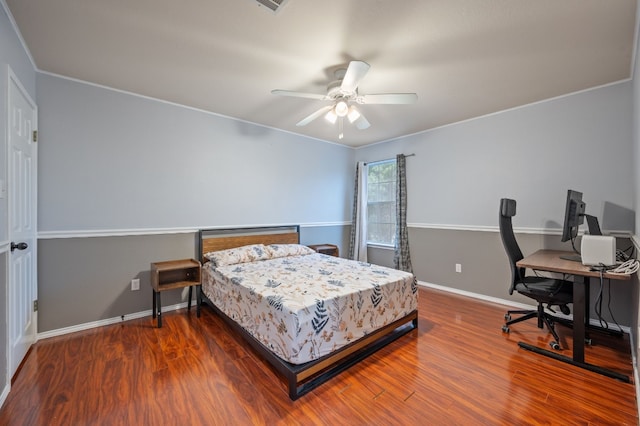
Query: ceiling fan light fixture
[331,116]
[353,114]
[343,97]
[341,108]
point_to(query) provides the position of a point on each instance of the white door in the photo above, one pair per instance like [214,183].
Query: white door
[22,179]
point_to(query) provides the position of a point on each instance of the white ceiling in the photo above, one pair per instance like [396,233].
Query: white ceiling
[464,58]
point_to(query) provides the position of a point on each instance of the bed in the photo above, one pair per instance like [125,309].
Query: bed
[310,315]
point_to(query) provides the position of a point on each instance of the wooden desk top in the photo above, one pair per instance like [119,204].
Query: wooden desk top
[549,260]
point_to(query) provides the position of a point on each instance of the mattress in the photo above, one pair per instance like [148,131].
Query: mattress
[303,307]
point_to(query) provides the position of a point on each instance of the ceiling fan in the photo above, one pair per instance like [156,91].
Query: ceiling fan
[343,95]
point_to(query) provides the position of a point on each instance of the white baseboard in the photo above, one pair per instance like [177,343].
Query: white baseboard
[513,304]
[4,394]
[477,296]
[108,321]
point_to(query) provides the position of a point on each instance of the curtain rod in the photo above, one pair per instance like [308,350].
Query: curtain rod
[389,159]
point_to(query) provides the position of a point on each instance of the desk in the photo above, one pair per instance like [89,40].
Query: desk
[549,260]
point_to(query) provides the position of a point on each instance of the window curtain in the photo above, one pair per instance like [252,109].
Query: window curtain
[401,258]
[358,243]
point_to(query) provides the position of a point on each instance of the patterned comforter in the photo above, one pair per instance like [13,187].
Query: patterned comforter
[307,306]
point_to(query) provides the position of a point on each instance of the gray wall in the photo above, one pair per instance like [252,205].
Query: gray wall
[485,269]
[533,154]
[338,235]
[89,279]
[119,173]
[636,128]
[110,160]
[13,56]
[636,163]
[83,280]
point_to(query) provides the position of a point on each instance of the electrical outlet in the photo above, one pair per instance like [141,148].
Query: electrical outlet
[458,268]
[135,284]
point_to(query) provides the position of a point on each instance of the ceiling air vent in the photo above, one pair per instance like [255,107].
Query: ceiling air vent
[272,5]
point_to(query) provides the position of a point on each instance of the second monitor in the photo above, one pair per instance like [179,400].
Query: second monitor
[574,216]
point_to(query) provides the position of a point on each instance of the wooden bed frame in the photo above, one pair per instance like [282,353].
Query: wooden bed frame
[301,378]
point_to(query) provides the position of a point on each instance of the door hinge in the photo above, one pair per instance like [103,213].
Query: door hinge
[35,306]
[35,136]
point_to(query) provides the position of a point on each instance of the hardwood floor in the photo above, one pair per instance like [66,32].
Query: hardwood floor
[457,368]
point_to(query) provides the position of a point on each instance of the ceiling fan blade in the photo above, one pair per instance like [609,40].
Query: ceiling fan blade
[362,123]
[309,118]
[299,94]
[356,71]
[388,98]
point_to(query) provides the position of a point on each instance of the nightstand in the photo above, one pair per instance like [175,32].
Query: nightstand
[173,274]
[330,249]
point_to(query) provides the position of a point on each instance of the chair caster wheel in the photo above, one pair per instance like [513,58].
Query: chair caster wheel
[507,317]
[505,329]
[555,345]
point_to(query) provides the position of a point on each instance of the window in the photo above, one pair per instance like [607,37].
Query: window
[381,203]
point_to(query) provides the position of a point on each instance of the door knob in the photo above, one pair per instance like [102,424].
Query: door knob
[19,246]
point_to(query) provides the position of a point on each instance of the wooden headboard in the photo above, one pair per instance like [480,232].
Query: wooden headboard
[222,239]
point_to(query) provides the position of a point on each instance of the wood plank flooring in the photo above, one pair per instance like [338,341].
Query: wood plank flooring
[458,368]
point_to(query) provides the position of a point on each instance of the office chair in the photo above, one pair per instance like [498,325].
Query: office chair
[549,291]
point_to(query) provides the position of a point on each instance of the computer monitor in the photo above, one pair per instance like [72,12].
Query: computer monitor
[593,225]
[573,215]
